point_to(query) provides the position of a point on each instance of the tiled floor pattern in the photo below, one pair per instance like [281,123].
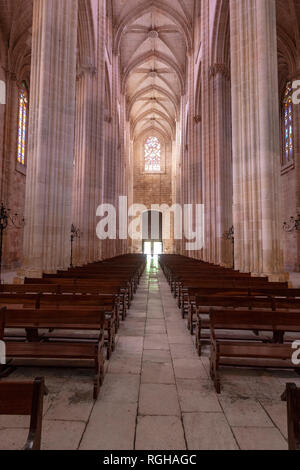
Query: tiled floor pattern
[157,393]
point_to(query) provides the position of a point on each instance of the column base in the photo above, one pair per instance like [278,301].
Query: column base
[294,280]
[30,273]
[273,277]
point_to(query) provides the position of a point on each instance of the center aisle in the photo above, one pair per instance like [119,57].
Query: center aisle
[157,394]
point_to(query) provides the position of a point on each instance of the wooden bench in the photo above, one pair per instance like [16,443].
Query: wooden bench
[292,397]
[205,303]
[64,349]
[107,303]
[193,294]
[221,303]
[245,353]
[189,290]
[88,286]
[25,399]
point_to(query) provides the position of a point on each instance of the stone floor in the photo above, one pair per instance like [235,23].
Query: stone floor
[157,393]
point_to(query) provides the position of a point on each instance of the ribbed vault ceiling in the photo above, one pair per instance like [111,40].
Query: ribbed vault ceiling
[153,39]
[288,26]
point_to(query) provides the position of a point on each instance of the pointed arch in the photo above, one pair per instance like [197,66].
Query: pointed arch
[145,8]
[154,55]
[220,50]
[149,89]
[86,36]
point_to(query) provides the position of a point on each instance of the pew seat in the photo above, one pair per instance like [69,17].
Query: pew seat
[64,349]
[250,354]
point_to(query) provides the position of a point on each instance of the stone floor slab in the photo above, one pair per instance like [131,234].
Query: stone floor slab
[62,435]
[157,356]
[260,439]
[157,373]
[13,439]
[156,342]
[74,402]
[125,365]
[196,396]
[245,413]
[158,400]
[208,431]
[189,369]
[153,433]
[111,427]
[120,389]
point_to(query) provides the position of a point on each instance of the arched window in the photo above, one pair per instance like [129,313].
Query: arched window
[152,155]
[22,123]
[288,128]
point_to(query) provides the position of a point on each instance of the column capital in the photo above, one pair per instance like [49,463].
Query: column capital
[219,69]
[11,75]
[85,69]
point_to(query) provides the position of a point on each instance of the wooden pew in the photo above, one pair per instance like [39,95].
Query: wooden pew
[25,399]
[205,303]
[189,290]
[292,397]
[64,349]
[221,303]
[107,303]
[88,286]
[250,354]
[192,294]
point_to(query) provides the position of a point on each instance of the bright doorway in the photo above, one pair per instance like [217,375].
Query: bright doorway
[152,233]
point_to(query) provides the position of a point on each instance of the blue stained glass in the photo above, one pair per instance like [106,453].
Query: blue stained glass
[288,130]
[23,102]
[152,155]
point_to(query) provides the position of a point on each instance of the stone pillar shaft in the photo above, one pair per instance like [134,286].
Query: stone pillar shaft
[216,149]
[89,180]
[222,151]
[51,136]
[256,145]
[86,174]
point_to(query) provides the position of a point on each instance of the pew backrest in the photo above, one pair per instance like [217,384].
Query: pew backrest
[25,399]
[260,320]
[293,416]
[75,319]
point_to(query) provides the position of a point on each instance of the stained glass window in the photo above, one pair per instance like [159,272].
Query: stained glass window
[22,127]
[288,131]
[152,155]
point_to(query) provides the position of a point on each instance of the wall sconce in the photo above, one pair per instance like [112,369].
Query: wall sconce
[8,220]
[293,225]
[75,233]
[229,235]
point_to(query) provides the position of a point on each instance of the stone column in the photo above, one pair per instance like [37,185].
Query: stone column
[86,169]
[89,179]
[222,151]
[51,136]
[256,145]
[208,177]
[296,111]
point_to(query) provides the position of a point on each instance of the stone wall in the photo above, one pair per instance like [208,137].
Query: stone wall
[149,189]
